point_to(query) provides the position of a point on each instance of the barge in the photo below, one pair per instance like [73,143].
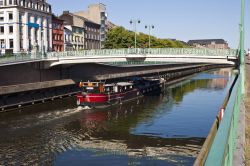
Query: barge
[102,95]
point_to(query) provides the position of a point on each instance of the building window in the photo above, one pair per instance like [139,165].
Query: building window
[1,16]
[1,29]
[1,2]
[10,2]
[21,43]
[11,43]
[10,29]
[10,16]
[2,43]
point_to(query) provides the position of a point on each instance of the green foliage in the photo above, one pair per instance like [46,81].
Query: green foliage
[121,38]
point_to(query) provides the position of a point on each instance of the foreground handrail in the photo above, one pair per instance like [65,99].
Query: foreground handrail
[221,152]
[201,158]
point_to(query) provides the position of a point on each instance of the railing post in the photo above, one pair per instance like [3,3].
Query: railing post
[242,51]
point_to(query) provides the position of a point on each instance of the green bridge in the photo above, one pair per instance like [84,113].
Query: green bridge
[133,56]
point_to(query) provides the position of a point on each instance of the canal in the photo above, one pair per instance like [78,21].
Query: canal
[167,129]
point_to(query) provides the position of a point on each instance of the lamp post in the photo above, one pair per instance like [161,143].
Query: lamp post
[149,33]
[134,22]
[42,32]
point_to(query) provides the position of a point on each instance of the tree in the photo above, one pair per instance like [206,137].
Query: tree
[119,37]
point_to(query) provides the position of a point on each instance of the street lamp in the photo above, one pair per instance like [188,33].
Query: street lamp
[134,22]
[149,27]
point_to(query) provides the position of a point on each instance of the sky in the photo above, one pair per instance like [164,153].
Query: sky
[176,19]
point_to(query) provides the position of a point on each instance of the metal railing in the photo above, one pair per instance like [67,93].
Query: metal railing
[138,63]
[20,57]
[222,149]
[117,52]
[147,51]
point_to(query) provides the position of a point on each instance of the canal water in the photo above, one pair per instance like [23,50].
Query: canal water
[167,129]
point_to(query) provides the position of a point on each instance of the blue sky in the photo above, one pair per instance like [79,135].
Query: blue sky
[179,19]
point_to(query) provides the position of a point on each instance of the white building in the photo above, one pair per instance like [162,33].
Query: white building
[25,25]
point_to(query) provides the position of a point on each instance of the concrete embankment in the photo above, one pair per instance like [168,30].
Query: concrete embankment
[15,96]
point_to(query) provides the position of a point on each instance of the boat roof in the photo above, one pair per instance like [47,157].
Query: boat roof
[109,85]
[92,82]
[124,83]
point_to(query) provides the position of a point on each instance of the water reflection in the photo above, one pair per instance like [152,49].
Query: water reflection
[167,129]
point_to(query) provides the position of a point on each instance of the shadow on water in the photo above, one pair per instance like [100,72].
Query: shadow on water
[134,133]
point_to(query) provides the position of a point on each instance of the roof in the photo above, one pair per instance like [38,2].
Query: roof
[107,85]
[83,18]
[111,25]
[207,41]
[124,84]
[56,18]
[71,22]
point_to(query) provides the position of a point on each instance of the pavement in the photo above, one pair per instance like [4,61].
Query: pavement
[247,114]
[242,151]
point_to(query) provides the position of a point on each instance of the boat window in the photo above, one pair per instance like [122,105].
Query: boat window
[116,89]
[91,89]
[121,89]
[107,89]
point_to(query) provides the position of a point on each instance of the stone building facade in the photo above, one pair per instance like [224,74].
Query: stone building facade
[209,43]
[57,34]
[25,26]
[92,35]
[75,27]
[81,32]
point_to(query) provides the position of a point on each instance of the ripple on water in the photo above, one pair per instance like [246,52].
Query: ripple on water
[149,131]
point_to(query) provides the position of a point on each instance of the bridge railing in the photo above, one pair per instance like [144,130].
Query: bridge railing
[19,57]
[222,149]
[116,52]
[146,51]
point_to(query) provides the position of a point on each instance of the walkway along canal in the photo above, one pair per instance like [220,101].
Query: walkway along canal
[166,129]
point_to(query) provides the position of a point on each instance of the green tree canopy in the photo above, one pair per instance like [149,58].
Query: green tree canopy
[119,37]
